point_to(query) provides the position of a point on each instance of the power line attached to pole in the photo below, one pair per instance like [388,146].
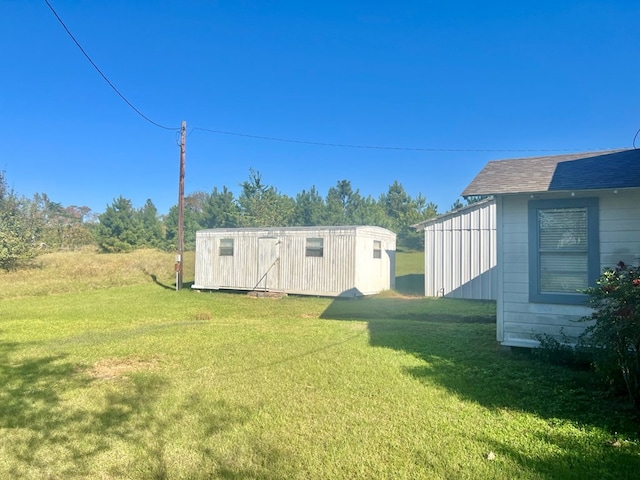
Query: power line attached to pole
[180,255]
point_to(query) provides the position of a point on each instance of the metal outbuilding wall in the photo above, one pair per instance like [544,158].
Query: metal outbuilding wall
[460,253]
[275,259]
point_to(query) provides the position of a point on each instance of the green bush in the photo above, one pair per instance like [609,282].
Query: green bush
[565,352]
[615,333]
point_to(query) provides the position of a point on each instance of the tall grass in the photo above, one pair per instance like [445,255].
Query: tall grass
[128,379]
[64,272]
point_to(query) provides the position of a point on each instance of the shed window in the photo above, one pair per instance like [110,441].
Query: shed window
[315,247]
[226,247]
[377,249]
[563,249]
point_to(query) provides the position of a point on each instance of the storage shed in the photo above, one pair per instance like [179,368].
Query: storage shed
[344,261]
[460,252]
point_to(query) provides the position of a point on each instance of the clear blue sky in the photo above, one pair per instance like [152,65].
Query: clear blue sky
[492,77]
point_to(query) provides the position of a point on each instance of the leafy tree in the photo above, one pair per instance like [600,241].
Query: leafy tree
[309,208]
[220,210]
[152,228]
[61,227]
[20,227]
[262,205]
[120,228]
[456,205]
[370,212]
[475,198]
[405,211]
[340,203]
[191,226]
[79,228]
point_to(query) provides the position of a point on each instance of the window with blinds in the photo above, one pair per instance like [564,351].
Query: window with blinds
[562,250]
[564,255]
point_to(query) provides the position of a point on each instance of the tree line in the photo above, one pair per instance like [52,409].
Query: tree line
[29,226]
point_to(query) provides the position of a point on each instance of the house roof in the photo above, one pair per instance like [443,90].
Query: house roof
[578,171]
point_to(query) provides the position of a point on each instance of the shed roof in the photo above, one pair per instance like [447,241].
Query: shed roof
[578,171]
[454,213]
[299,229]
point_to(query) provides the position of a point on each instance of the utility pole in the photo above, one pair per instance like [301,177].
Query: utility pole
[180,255]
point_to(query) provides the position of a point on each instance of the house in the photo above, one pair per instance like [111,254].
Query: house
[460,252]
[560,221]
[343,261]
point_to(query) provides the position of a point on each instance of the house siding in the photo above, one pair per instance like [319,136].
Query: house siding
[519,321]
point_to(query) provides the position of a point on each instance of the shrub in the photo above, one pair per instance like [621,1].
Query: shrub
[615,334]
[565,352]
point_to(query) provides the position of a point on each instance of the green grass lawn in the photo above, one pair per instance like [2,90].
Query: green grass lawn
[123,378]
[410,273]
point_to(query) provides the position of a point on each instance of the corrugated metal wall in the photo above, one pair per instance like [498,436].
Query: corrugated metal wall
[346,268]
[460,253]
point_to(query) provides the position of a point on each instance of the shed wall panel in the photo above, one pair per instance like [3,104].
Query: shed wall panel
[460,253]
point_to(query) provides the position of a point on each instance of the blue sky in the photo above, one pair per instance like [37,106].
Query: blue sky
[461,82]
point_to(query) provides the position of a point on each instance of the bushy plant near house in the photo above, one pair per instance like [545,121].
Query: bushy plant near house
[566,351]
[615,334]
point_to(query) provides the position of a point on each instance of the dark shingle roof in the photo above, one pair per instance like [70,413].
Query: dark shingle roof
[579,171]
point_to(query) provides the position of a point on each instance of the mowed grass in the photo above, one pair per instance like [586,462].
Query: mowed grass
[115,378]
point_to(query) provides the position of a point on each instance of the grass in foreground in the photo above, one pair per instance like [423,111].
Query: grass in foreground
[138,381]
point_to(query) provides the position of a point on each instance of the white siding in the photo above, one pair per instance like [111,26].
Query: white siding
[274,259]
[460,253]
[519,321]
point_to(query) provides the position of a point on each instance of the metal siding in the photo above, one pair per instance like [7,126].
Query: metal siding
[460,249]
[333,274]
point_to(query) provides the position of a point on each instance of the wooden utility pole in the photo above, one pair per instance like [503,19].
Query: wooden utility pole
[180,255]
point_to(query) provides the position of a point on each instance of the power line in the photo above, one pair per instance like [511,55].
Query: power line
[303,142]
[102,74]
[380,147]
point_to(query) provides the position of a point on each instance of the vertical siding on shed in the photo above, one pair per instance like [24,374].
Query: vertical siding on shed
[460,253]
[342,270]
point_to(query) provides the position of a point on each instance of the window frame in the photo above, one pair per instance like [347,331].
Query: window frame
[226,250]
[314,251]
[593,248]
[377,252]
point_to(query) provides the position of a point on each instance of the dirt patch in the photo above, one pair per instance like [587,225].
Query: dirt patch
[261,294]
[109,368]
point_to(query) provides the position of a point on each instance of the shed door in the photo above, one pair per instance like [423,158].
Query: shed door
[268,264]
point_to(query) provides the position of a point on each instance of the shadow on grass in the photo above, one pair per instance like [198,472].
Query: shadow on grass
[411,284]
[456,340]
[32,412]
[48,433]
[155,280]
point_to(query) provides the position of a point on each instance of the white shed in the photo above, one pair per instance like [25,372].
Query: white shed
[344,261]
[460,252]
